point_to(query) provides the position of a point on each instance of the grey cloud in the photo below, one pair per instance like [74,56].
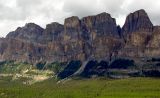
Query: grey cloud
[80,8]
[43,12]
[7,13]
[84,8]
[26,3]
[29,7]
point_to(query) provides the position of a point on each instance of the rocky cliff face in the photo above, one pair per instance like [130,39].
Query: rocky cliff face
[138,33]
[53,32]
[93,37]
[102,24]
[137,22]
[30,32]
[101,36]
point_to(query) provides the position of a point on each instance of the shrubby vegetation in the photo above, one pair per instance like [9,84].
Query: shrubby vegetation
[56,67]
[71,68]
[154,60]
[122,63]
[151,73]
[95,68]
[158,64]
[13,67]
[40,65]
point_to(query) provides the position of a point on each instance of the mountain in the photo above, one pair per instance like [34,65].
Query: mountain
[92,40]
[78,39]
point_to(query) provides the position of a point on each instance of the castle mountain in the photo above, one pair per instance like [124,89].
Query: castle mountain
[95,37]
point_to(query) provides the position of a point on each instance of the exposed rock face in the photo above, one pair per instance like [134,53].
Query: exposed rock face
[102,24]
[154,42]
[72,28]
[101,36]
[138,22]
[153,46]
[53,32]
[137,32]
[30,32]
[90,38]
[19,50]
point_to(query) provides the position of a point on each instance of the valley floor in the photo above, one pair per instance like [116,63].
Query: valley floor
[83,88]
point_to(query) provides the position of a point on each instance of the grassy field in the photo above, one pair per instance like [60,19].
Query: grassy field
[85,88]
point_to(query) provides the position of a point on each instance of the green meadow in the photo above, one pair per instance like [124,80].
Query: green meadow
[83,88]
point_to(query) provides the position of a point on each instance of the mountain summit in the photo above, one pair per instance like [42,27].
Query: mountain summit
[138,21]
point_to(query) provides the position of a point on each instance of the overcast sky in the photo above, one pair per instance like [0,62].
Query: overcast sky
[14,13]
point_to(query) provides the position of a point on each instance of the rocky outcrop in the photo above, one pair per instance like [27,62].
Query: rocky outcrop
[137,32]
[137,22]
[153,46]
[102,24]
[72,28]
[101,36]
[22,51]
[30,32]
[53,32]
